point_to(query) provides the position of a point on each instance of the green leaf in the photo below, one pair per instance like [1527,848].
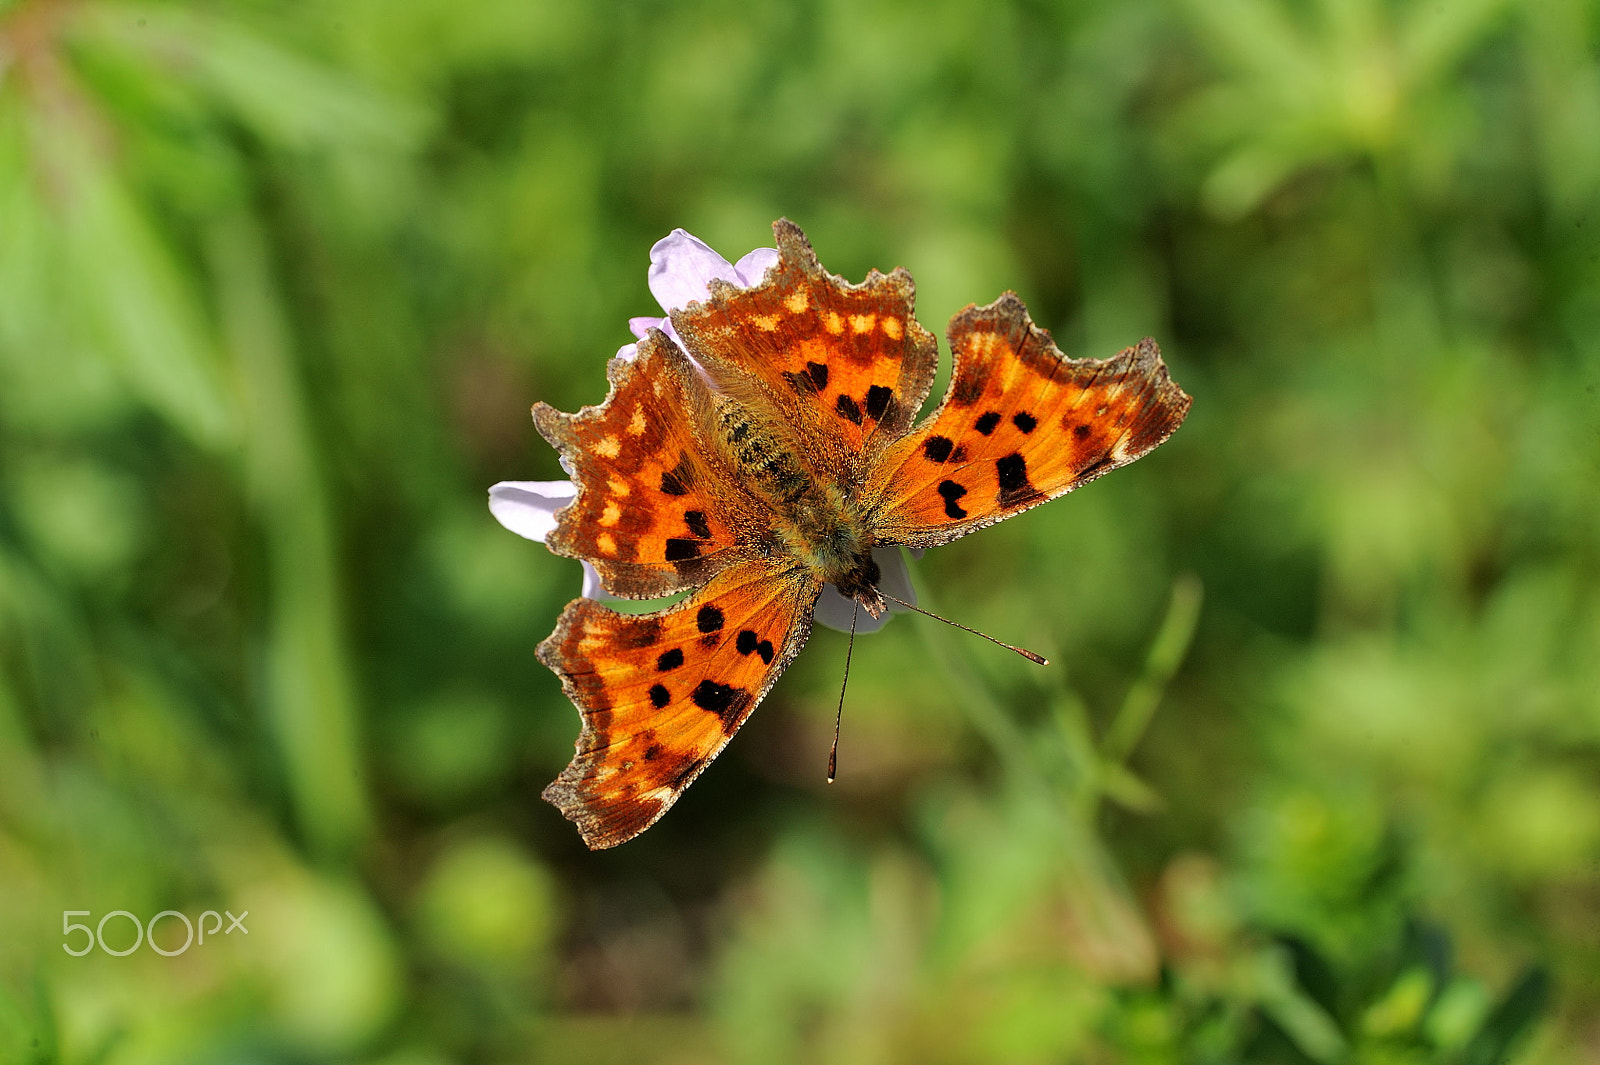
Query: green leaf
[1516,1014]
[139,305]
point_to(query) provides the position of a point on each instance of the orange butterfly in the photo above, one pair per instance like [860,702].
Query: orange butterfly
[766,457]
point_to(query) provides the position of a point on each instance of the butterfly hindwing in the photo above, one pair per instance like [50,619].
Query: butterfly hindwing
[845,366]
[660,694]
[1020,423]
[653,514]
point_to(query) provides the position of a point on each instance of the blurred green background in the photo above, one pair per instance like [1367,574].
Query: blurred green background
[1316,774]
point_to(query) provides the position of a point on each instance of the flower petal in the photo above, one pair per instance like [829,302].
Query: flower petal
[754,266]
[895,576]
[528,508]
[592,588]
[834,610]
[681,269]
[640,327]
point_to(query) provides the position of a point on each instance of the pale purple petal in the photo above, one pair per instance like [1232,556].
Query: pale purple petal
[896,576]
[627,351]
[834,610]
[754,266]
[640,327]
[681,269]
[528,508]
[592,588]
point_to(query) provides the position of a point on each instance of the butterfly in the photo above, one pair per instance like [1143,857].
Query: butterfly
[767,457]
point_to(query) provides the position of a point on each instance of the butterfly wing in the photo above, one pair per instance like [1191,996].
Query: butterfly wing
[654,513]
[1021,423]
[845,367]
[660,694]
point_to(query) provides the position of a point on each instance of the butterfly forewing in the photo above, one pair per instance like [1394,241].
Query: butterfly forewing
[655,514]
[661,693]
[1020,423]
[845,366]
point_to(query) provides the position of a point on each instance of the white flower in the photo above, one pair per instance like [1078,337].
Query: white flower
[528,508]
[681,269]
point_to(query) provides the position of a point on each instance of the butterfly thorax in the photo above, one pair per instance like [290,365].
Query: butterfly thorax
[813,519]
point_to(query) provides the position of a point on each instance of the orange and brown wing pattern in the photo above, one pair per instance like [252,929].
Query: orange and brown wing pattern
[652,515]
[847,366]
[660,694]
[1021,423]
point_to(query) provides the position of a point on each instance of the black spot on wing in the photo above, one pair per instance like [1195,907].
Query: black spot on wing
[709,619]
[696,520]
[1015,488]
[818,374]
[678,480]
[1024,421]
[1013,470]
[951,491]
[727,702]
[878,398]
[751,643]
[659,696]
[986,424]
[937,448]
[652,752]
[670,660]
[848,408]
[1080,431]
[679,550]
[801,383]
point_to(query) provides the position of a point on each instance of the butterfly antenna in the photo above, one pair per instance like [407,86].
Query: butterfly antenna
[838,718]
[1023,651]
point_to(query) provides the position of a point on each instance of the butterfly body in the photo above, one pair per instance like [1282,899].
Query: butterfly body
[768,457]
[814,519]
